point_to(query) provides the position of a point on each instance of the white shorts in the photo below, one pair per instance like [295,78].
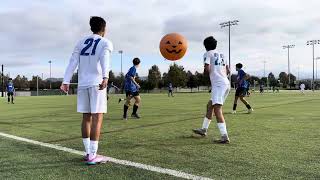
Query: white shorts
[92,100]
[219,94]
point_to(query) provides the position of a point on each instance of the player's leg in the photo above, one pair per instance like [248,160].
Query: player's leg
[246,103]
[235,103]
[98,106]
[12,98]
[221,124]
[126,105]
[85,130]
[206,120]
[136,105]
[83,106]
[8,95]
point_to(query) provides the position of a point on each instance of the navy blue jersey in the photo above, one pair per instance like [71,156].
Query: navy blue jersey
[129,84]
[240,78]
[10,87]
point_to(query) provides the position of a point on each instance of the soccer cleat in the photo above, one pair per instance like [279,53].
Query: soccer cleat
[86,157]
[136,116]
[97,159]
[250,111]
[200,131]
[224,140]
[124,118]
[234,112]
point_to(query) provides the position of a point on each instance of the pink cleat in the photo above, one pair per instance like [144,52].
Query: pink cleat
[86,157]
[96,159]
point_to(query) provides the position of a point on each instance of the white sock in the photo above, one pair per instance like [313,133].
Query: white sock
[86,144]
[223,128]
[206,123]
[94,147]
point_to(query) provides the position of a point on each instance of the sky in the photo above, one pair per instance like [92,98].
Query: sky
[35,32]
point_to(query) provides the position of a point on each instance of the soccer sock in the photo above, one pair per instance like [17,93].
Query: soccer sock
[12,99]
[206,123]
[125,109]
[223,129]
[8,99]
[135,109]
[94,147]
[234,107]
[248,106]
[86,143]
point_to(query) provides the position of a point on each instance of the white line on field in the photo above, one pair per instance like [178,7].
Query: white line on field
[114,160]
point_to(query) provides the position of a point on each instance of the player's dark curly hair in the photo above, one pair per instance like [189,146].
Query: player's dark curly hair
[210,43]
[239,65]
[97,24]
[136,61]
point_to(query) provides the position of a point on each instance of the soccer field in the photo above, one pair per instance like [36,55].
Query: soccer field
[280,140]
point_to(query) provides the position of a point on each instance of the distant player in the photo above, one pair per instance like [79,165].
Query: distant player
[241,91]
[261,88]
[215,66]
[92,57]
[111,85]
[10,91]
[132,90]
[302,87]
[170,90]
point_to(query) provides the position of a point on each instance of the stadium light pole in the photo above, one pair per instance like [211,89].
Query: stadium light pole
[288,47]
[312,43]
[121,52]
[2,81]
[229,24]
[50,73]
[317,58]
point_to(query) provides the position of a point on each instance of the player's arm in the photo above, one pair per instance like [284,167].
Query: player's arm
[243,76]
[206,62]
[73,64]
[133,79]
[228,70]
[105,65]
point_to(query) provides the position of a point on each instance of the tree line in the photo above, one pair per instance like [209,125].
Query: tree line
[177,75]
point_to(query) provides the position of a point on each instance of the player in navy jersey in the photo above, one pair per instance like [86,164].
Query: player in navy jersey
[10,91]
[241,90]
[132,90]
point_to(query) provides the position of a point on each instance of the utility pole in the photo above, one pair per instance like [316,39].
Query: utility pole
[312,43]
[288,47]
[2,81]
[229,24]
[50,73]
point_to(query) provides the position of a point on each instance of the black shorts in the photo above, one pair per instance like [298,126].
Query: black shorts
[10,94]
[241,91]
[133,94]
[170,91]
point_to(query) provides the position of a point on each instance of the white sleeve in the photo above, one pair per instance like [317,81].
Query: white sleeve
[206,58]
[105,59]
[73,64]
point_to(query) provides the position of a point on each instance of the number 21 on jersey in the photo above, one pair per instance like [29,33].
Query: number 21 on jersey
[89,43]
[219,59]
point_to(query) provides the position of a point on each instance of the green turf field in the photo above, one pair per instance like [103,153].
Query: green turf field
[280,140]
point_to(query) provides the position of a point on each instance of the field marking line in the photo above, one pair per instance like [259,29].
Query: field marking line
[110,159]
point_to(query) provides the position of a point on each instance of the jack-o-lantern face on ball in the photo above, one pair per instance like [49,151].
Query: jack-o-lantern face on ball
[173,46]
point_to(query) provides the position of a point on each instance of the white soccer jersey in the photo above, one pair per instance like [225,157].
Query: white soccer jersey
[218,71]
[92,57]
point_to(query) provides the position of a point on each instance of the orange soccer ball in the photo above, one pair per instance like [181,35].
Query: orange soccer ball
[173,46]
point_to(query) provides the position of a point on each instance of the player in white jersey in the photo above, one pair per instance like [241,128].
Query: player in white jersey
[302,87]
[92,57]
[214,65]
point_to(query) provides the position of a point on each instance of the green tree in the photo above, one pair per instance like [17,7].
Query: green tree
[177,76]
[154,77]
[272,80]
[192,81]
[283,77]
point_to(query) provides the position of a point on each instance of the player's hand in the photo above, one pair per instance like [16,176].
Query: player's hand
[64,88]
[103,84]
[138,86]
